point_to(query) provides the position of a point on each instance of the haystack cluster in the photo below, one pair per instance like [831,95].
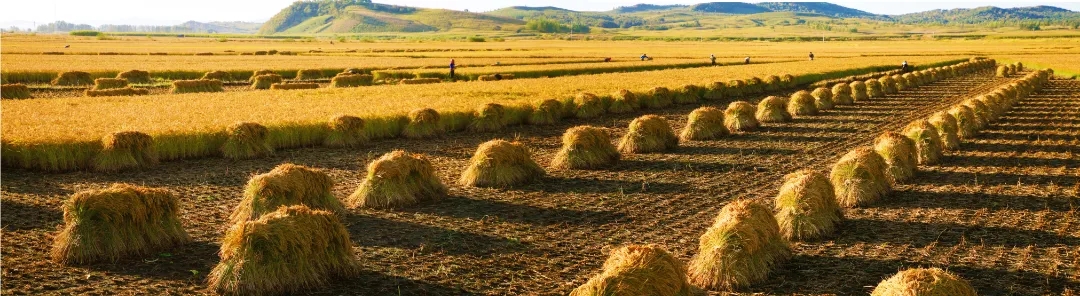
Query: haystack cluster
[197,86]
[14,91]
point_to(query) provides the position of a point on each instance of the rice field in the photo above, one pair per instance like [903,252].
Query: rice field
[430,189]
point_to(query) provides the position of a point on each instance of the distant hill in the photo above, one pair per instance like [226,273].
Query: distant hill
[357,16]
[223,27]
[729,7]
[644,7]
[990,14]
[822,8]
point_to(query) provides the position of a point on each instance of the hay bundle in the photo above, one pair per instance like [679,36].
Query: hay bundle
[247,140]
[585,147]
[966,123]
[888,85]
[858,91]
[549,111]
[638,270]
[218,75]
[859,178]
[290,250]
[739,117]
[787,81]
[772,83]
[72,78]
[117,92]
[398,179]
[806,206]
[1019,67]
[841,94]
[874,89]
[351,80]
[286,185]
[901,83]
[754,85]
[14,91]
[924,282]
[688,94]
[649,133]
[736,88]
[294,86]
[1012,69]
[257,73]
[423,123]
[658,97]
[489,118]
[911,80]
[802,103]
[623,101]
[499,163]
[947,129]
[705,123]
[716,91]
[118,222]
[196,86]
[1002,71]
[741,247]
[109,83]
[421,81]
[588,106]
[928,144]
[823,98]
[265,81]
[899,154]
[981,111]
[309,74]
[772,109]
[125,150]
[345,132]
[135,76]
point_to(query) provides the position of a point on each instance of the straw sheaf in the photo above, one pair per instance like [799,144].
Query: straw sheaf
[806,206]
[294,86]
[624,101]
[888,85]
[947,130]
[309,74]
[135,76]
[351,80]
[423,123]
[739,117]
[648,134]
[109,83]
[787,81]
[924,282]
[346,131]
[258,73]
[118,222]
[966,123]
[858,91]
[398,179]
[658,97]
[823,98]
[126,150]
[72,78]
[585,147]
[489,118]
[247,140]
[741,248]
[499,163]
[548,112]
[265,81]
[588,105]
[772,83]
[981,112]
[638,270]
[901,82]
[911,80]
[802,103]
[117,92]
[859,178]
[197,86]
[705,123]
[841,94]
[755,85]
[736,88]
[217,75]
[290,250]
[14,91]
[899,154]
[772,109]
[928,143]
[688,94]
[874,89]
[716,91]
[286,185]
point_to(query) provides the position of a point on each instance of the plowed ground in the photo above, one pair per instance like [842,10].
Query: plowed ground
[1010,228]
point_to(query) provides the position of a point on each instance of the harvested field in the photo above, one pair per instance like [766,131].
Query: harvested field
[999,212]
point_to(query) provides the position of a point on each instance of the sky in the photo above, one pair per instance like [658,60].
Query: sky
[143,12]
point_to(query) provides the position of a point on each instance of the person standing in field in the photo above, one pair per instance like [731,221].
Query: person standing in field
[747,60]
[452,66]
[811,55]
[712,57]
[903,67]
[643,57]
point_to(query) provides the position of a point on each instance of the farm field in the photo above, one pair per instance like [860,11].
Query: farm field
[1000,209]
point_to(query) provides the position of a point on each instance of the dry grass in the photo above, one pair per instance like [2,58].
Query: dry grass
[648,134]
[118,222]
[741,248]
[638,270]
[585,147]
[924,282]
[859,178]
[499,163]
[117,92]
[294,86]
[705,123]
[398,179]
[806,206]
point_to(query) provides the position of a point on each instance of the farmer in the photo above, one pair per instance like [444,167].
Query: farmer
[452,66]
[903,67]
[712,57]
[643,57]
[811,55]
[747,60]
[607,60]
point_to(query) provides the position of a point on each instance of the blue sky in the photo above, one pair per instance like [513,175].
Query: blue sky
[152,12]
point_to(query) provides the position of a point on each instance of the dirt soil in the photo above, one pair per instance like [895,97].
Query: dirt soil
[1000,213]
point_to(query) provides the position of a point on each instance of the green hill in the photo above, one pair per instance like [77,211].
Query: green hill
[989,14]
[359,16]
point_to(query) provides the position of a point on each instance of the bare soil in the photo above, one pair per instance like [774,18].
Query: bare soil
[1001,212]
